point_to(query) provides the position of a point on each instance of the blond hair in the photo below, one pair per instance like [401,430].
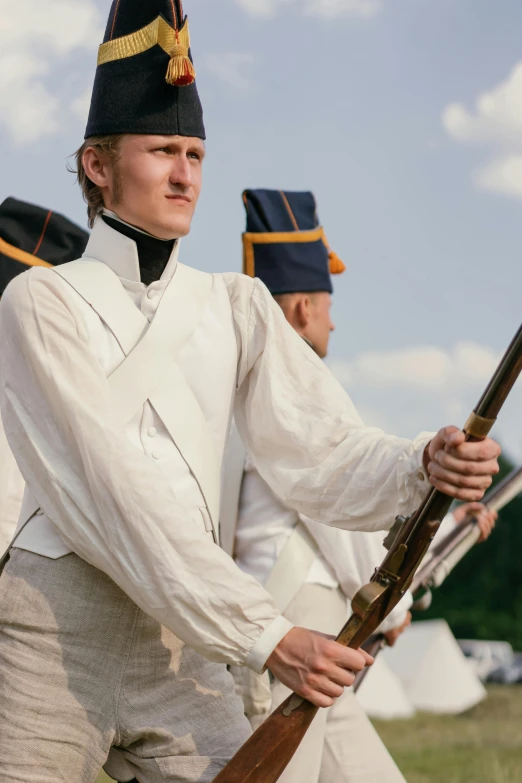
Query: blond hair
[92,195]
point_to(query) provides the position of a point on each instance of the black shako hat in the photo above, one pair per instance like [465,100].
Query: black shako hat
[34,236]
[284,244]
[145,79]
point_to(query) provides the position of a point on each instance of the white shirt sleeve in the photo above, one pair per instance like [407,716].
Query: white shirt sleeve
[304,434]
[108,500]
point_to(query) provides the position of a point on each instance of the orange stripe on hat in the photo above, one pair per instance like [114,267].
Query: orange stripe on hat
[21,255]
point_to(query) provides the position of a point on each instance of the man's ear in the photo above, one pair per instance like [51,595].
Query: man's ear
[96,166]
[302,311]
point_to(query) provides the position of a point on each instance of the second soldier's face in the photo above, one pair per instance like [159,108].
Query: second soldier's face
[157,182]
[320,324]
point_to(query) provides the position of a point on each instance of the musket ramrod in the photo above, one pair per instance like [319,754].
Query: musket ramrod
[264,756]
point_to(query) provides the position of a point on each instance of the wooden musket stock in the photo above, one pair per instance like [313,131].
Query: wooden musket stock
[264,756]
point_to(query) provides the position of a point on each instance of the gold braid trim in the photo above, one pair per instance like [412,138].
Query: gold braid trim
[274,238]
[174,43]
[21,255]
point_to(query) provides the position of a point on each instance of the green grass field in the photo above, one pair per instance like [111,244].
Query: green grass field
[482,746]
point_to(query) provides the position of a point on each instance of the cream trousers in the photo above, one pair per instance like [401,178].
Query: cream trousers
[87,679]
[341,745]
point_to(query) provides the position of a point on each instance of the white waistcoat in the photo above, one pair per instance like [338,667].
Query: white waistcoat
[177,415]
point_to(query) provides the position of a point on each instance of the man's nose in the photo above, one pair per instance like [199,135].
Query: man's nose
[181,174]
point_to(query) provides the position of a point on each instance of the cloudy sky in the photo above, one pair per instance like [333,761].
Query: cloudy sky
[405,119]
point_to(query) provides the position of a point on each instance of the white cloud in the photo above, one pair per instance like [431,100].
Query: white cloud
[331,9]
[424,388]
[81,104]
[424,367]
[501,175]
[497,116]
[35,38]
[326,9]
[27,109]
[232,68]
[265,9]
[495,122]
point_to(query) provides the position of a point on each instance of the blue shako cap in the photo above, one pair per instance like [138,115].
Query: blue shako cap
[284,244]
[145,79]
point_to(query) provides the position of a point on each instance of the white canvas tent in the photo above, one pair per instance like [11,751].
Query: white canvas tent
[433,670]
[381,694]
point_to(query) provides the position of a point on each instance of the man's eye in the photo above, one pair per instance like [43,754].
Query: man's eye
[194,155]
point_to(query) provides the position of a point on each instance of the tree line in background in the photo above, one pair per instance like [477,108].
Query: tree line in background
[482,598]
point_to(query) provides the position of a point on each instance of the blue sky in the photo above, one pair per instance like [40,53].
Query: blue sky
[405,119]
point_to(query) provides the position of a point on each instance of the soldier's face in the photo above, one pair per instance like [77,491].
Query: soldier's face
[156,182]
[319,326]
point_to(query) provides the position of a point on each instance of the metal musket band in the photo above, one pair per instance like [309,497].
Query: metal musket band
[157,32]
[478,426]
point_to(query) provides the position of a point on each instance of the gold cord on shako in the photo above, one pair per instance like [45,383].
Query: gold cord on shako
[146,81]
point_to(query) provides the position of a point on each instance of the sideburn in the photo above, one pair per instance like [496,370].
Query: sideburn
[117,184]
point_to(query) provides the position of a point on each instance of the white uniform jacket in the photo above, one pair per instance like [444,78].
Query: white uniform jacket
[11,492]
[122,494]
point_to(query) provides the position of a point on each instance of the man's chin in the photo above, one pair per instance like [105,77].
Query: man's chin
[172,230]
[171,227]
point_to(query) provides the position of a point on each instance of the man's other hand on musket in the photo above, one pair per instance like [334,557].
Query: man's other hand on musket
[485,517]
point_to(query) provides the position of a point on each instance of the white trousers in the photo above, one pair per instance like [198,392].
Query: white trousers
[341,745]
[88,679]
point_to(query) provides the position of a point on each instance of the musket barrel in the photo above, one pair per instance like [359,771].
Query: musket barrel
[436,504]
[443,568]
[502,381]
[505,490]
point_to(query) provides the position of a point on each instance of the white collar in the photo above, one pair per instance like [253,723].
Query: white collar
[120,253]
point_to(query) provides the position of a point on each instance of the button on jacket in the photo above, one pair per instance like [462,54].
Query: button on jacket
[126,502]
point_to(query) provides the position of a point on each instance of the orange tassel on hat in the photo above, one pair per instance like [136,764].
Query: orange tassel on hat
[180,72]
[336,265]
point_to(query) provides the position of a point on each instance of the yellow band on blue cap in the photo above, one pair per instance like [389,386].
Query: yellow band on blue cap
[274,238]
[280,237]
